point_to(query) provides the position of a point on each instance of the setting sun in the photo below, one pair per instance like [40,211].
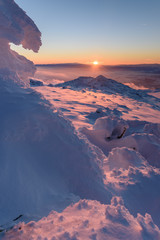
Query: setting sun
[95,63]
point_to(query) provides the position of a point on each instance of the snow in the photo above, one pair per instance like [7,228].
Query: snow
[124,158]
[106,85]
[109,132]
[127,168]
[110,127]
[16,27]
[89,220]
[38,155]
[79,159]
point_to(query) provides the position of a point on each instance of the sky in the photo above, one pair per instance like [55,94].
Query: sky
[108,31]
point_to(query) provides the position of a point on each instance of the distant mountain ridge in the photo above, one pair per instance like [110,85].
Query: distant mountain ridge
[153,68]
[63,65]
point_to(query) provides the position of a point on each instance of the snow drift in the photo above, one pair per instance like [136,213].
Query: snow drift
[42,159]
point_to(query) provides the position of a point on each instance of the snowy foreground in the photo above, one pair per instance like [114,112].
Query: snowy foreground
[79,160]
[88,153]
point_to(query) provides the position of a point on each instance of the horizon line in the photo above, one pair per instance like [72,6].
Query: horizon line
[90,64]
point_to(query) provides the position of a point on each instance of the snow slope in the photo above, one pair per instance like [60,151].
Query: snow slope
[42,159]
[106,85]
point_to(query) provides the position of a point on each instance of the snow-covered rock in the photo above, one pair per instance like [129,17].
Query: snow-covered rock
[110,127]
[109,133]
[35,83]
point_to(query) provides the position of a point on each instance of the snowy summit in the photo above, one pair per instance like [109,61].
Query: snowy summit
[79,160]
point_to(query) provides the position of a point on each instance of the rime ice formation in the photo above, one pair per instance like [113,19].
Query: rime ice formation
[16,27]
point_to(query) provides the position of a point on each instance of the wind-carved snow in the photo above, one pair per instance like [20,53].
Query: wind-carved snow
[16,27]
[89,220]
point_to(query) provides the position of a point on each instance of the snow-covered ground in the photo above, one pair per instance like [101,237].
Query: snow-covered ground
[120,128]
[79,159]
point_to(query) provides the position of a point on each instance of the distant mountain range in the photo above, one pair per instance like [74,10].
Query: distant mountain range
[152,68]
[79,65]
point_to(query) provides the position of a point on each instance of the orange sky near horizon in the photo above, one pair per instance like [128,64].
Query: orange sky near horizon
[103,58]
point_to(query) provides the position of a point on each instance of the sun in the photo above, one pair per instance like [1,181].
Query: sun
[95,62]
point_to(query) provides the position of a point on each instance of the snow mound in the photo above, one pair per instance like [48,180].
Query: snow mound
[89,220]
[124,158]
[109,133]
[16,27]
[147,145]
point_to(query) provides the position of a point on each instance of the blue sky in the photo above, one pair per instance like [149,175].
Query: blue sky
[109,31]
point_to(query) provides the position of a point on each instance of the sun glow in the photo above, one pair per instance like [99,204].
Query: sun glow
[95,63]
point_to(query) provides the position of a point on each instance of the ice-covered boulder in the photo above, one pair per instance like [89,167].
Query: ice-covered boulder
[111,127]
